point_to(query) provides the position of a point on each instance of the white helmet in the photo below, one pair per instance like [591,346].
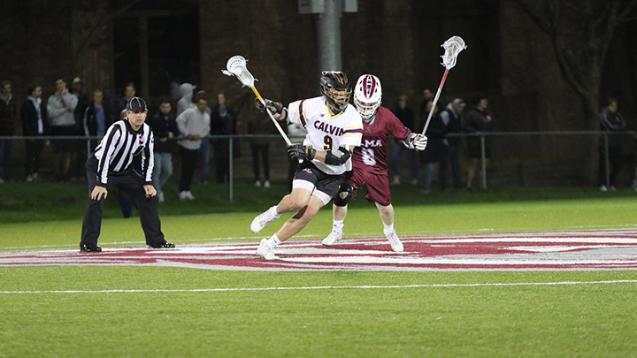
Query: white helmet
[367,95]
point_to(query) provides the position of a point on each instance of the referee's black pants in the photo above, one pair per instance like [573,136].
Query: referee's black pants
[131,185]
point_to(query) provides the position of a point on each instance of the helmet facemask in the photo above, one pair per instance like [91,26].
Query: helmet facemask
[368,95]
[336,89]
[338,99]
[366,110]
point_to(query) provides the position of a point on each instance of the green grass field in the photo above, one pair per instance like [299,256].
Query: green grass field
[564,320]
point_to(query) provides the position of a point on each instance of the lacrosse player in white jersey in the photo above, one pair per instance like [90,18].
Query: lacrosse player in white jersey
[334,129]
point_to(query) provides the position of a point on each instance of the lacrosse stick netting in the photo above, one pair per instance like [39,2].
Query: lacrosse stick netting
[453,46]
[237,67]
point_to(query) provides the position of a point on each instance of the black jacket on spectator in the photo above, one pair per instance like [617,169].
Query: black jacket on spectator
[612,122]
[476,121]
[436,147]
[222,125]
[90,120]
[80,110]
[454,126]
[406,116]
[163,124]
[30,119]
[7,117]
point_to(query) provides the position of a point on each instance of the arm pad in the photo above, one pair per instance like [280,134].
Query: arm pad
[331,159]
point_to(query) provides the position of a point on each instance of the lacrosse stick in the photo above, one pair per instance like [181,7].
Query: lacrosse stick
[236,67]
[452,47]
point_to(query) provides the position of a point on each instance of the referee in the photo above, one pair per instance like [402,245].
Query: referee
[124,159]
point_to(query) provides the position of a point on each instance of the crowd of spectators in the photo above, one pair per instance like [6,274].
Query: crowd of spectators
[182,125]
[444,148]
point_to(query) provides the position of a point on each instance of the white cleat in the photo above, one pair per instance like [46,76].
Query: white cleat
[262,220]
[333,238]
[266,251]
[395,243]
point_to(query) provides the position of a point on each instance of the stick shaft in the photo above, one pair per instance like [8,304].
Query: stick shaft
[276,123]
[433,105]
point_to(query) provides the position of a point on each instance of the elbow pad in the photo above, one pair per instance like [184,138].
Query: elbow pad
[332,159]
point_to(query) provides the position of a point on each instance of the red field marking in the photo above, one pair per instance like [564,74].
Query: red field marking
[563,250]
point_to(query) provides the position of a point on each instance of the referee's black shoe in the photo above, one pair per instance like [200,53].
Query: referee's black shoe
[163,245]
[86,248]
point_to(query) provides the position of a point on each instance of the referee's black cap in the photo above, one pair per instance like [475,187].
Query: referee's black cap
[136,105]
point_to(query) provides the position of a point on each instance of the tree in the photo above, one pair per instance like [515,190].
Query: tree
[580,32]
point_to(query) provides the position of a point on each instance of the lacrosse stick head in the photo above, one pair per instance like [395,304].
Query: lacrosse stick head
[236,67]
[453,46]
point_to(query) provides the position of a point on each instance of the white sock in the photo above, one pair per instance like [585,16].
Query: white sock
[388,229]
[274,241]
[273,213]
[337,225]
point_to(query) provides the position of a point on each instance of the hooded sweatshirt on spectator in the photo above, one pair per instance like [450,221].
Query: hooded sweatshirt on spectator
[193,122]
[185,101]
[58,115]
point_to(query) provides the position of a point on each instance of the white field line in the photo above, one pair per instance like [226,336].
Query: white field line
[522,236]
[314,288]
[438,237]
[143,244]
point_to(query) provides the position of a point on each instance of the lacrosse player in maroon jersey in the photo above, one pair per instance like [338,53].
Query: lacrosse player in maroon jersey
[369,161]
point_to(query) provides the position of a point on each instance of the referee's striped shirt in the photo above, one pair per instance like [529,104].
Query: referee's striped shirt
[120,146]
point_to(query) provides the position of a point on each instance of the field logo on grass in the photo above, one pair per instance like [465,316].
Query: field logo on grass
[564,250]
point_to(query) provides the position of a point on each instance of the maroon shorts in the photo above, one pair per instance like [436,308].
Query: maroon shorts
[377,185]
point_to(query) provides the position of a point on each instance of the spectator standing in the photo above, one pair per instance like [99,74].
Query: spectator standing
[165,129]
[96,120]
[34,124]
[7,127]
[120,107]
[260,147]
[188,94]
[427,96]
[452,121]
[478,120]
[223,122]
[186,99]
[193,124]
[79,155]
[436,148]
[60,110]
[407,117]
[611,122]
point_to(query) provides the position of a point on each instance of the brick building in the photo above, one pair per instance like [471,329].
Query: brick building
[153,43]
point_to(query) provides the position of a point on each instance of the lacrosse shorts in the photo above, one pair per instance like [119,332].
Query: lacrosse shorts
[377,185]
[323,186]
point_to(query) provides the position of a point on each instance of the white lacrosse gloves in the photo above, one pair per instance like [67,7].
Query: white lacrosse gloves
[415,141]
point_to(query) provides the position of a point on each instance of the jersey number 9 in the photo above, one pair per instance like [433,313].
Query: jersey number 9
[328,141]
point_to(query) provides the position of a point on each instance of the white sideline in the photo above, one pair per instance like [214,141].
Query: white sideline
[307,288]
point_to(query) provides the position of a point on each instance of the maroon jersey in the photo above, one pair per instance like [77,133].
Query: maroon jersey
[371,156]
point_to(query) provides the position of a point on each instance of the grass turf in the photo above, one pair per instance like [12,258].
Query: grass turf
[468,321]
[528,210]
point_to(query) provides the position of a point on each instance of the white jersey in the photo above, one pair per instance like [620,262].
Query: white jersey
[326,131]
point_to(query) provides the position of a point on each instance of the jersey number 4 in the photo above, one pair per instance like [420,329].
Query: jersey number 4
[368,156]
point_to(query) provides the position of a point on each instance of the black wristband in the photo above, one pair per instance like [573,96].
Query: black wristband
[331,159]
[310,153]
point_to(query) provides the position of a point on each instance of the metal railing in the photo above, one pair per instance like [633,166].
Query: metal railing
[597,137]
[595,134]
